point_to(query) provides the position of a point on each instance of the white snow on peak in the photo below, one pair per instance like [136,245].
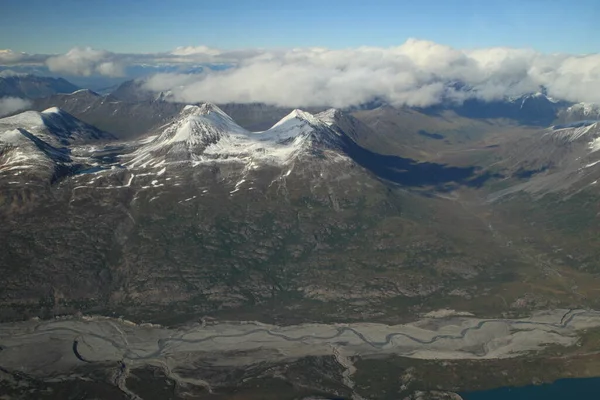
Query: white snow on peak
[24,153]
[584,130]
[525,97]
[200,124]
[298,115]
[205,133]
[24,120]
[296,125]
[204,109]
[85,91]
[54,126]
[550,99]
[329,116]
[209,111]
[52,110]
[12,137]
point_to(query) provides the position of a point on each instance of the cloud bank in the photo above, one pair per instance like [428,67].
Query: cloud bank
[8,105]
[86,61]
[9,58]
[416,73]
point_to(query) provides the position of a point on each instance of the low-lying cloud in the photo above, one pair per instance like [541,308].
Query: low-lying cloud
[416,73]
[86,61]
[9,58]
[9,105]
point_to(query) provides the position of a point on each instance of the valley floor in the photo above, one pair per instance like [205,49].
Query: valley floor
[196,356]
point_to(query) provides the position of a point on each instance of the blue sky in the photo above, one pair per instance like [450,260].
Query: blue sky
[42,26]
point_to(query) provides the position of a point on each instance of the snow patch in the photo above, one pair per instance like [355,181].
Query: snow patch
[574,131]
[592,164]
[594,145]
[52,110]
[205,134]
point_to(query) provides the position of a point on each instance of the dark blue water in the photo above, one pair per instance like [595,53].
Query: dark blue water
[571,389]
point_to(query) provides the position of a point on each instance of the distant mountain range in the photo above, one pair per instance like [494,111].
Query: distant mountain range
[532,109]
[31,86]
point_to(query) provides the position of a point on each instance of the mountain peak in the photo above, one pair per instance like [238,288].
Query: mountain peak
[196,127]
[206,133]
[330,116]
[203,109]
[55,110]
[54,126]
[298,115]
[85,92]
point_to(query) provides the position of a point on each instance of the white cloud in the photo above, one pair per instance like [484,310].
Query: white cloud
[9,57]
[416,73]
[87,61]
[9,105]
[198,50]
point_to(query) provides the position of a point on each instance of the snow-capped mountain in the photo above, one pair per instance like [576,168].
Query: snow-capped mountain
[21,150]
[560,158]
[44,145]
[580,112]
[55,126]
[203,206]
[203,138]
[205,134]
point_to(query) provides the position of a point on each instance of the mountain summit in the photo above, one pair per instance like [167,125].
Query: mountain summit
[55,126]
[207,134]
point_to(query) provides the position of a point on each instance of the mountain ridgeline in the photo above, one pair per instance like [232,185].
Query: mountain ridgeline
[386,227]
[32,86]
[165,211]
[200,214]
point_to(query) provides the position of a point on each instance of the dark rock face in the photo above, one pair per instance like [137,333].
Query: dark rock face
[31,86]
[529,109]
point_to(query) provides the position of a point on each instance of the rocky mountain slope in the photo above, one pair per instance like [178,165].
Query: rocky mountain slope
[130,118]
[321,217]
[124,119]
[201,215]
[558,159]
[204,215]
